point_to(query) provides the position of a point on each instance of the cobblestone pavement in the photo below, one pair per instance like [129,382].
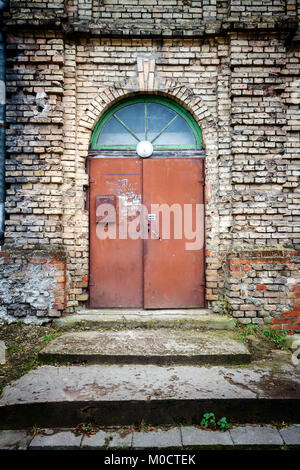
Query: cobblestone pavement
[246,436]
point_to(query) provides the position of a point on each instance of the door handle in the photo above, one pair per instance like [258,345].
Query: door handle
[152,231]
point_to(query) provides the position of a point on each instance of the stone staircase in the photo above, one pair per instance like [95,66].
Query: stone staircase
[141,346]
[122,367]
[134,318]
[157,337]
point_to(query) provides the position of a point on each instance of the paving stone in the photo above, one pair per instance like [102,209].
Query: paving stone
[189,436]
[256,435]
[11,439]
[107,439]
[159,438]
[291,435]
[95,440]
[192,436]
[59,440]
[117,440]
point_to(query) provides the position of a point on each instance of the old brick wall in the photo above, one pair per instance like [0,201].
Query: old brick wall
[265,176]
[261,7]
[234,65]
[32,284]
[263,287]
[35,13]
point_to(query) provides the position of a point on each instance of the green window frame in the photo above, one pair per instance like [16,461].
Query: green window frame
[94,144]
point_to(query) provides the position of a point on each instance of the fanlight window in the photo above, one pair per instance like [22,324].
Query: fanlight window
[163,123]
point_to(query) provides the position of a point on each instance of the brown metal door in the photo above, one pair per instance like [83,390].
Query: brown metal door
[173,274]
[116,264]
[156,272]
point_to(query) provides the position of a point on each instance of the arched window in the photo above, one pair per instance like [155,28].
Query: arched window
[159,121]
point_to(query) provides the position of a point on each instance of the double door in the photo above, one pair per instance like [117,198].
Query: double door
[146,233]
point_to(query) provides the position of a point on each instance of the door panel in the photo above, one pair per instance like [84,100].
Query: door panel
[116,265]
[173,275]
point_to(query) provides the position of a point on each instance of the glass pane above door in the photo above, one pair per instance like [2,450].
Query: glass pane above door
[159,121]
[113,132]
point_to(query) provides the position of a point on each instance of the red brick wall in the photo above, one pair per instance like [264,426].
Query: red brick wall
[262,287]
[290,320]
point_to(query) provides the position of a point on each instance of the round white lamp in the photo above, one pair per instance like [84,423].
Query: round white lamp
[144,149]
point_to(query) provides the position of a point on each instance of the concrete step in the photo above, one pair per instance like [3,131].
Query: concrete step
[141,346]
[65,396]
[139,318]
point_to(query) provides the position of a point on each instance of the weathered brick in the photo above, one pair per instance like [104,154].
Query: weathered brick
[240,82]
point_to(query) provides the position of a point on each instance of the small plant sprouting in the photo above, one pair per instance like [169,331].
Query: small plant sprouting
[15,348]
[48,338]
[278,337]
[246,331]
[280,425]
[35,430]
[209,422]
[86,428]
[223,424]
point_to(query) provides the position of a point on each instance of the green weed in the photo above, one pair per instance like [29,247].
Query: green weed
[209,421]
[277,336]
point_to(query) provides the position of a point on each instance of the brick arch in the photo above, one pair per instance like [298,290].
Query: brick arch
[170,89]
[84,128]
